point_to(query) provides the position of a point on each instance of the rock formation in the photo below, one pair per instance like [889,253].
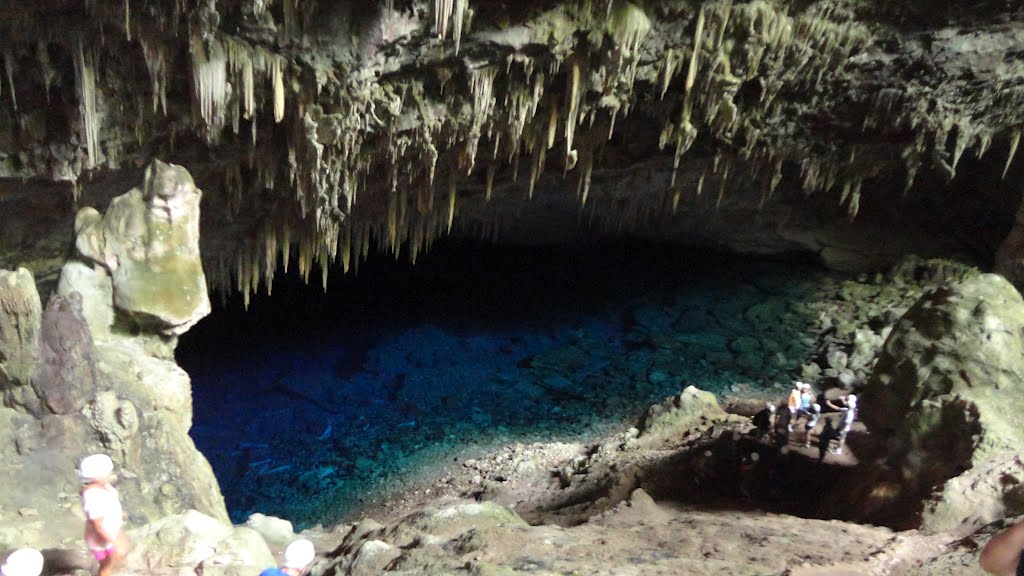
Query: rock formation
[945,397]
[94,371]
[329,129]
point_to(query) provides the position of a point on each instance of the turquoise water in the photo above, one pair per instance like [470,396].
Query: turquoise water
[309,406]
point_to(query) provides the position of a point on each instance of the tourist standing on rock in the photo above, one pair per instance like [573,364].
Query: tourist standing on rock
[297,558]
[794,403]
[1004,553]
[848,410]
[23,562]
[104,517]
[812,420]
[806,399]
[763,420]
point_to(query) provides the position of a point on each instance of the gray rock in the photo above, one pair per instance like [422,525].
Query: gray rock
[276,531]
[97,292]
[837,359]
[676,414]
[184,542]
[20,319]
[950,385]
[67,373]
[149,243]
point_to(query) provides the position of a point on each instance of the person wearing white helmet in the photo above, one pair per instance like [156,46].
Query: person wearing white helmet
[23,562]
[297,558]
[812,421]
[104,517]
[848,409]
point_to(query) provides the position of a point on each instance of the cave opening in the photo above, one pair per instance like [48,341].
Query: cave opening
[312,405]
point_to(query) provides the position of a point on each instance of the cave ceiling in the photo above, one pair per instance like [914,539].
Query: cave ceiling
[318,129]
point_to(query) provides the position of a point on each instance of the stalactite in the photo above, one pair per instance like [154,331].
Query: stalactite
[452,192]
[572,118]
[346,248]
[277,74]
[127,21]
[1014,142]
[85,79]
[667,74]
[490,182]
[9,69]
[722,185]
[209,70]
[156,64]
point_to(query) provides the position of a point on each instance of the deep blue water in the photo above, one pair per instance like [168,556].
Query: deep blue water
[311,404]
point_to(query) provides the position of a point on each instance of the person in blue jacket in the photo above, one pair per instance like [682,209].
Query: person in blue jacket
[297,558]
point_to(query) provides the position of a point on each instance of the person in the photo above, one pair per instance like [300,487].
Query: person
[23,562]
[828,433]
[104,517]
[297,558]
[747,465]
[848,409]
[812,420]
[794,403]
[763,420]
[806,399]
[1004,553]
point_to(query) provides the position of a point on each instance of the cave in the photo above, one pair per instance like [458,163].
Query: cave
[513,278]
[474,345]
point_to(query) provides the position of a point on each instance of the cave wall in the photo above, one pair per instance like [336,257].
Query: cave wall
[321,130]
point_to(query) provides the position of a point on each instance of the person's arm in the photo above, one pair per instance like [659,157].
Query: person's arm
[1001,554]
[831,405]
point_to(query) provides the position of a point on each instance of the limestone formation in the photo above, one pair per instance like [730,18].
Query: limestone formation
[95,370]
[946,391]
[328,129]
[671,419]
[20,317]
[192,543]
[148,241]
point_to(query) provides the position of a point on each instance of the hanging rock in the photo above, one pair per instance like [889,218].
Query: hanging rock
[149,243]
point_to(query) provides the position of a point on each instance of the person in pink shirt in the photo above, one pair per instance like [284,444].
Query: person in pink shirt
[104,517]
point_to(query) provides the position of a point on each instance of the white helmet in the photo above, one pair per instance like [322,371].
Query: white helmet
[24,562]
[299,554]
[95,466]
[851,400]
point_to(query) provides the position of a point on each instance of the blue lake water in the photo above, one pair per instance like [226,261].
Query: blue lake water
[310,405]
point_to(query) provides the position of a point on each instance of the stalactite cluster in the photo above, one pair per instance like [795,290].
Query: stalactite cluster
[331,133]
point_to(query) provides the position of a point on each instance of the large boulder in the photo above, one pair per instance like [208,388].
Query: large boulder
[95,372]
[675,415]
[193,543]
[948,391]
[149,243]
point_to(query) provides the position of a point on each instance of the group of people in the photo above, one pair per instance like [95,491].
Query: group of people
[803,412]
[104,529]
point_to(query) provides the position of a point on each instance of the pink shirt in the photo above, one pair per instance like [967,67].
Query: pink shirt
[103,504]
